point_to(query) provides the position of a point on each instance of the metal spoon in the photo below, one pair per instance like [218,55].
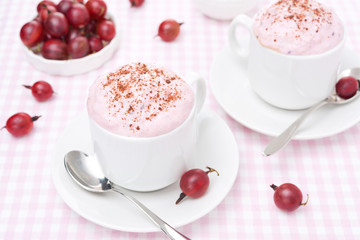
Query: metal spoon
[85,170]
[280,141]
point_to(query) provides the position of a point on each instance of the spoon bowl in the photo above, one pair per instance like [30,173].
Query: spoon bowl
[86,171]
[354,72]
[280,141]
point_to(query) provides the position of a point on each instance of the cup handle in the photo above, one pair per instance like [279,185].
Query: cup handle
[200,95]
[242,51]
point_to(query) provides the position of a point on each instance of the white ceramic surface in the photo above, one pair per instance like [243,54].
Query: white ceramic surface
[75,66]
[227,9]
[231,88]
[216,148]
[149,163]
[286,81]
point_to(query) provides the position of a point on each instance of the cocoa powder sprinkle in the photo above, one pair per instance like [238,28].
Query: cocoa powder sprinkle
[131,109]
[298,11]
[143,91]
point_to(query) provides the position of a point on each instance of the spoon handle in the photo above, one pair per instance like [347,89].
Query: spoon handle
[280,141]
[166,228]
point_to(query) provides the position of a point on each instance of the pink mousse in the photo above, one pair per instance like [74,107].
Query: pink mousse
[298,27]
[140,100]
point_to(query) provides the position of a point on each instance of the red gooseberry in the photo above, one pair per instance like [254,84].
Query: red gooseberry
[20,124]
[32,33]
[56,24]
[288,197]
[136,3]
[54,49]
[41,90]
[106,30]
[96,8]
[169,30]
[347,87]
[44,4]
[78,47]
[194,183]
[78,15]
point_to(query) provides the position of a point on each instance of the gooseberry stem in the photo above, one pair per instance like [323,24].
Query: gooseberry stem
[34,118]
[182,195]
[307,200]
[273,186]
[211,170]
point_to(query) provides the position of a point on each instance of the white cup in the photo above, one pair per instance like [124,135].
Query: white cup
[149,163]
[286,81]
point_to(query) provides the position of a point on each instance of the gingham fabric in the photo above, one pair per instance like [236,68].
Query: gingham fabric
[30,208]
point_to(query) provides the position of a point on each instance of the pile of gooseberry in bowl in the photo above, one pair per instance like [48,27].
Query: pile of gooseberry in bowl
[70,37]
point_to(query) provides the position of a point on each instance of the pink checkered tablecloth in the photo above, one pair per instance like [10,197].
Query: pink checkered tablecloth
[30,208]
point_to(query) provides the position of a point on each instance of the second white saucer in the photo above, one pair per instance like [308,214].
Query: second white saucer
[230,86]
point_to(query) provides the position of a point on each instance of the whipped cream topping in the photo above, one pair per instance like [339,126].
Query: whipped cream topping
[140,100]
[298,27]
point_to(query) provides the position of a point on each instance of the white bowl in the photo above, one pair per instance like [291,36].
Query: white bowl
[75,66]
[226,9]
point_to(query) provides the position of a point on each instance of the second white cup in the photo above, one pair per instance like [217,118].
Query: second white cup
[286,81]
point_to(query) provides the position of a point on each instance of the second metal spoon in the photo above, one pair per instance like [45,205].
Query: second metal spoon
[280,141]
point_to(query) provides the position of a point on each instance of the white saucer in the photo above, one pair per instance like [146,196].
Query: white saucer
[230,86]
[217,148]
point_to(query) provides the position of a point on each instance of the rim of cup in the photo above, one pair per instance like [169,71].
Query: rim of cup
[144,139]
[303,57]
